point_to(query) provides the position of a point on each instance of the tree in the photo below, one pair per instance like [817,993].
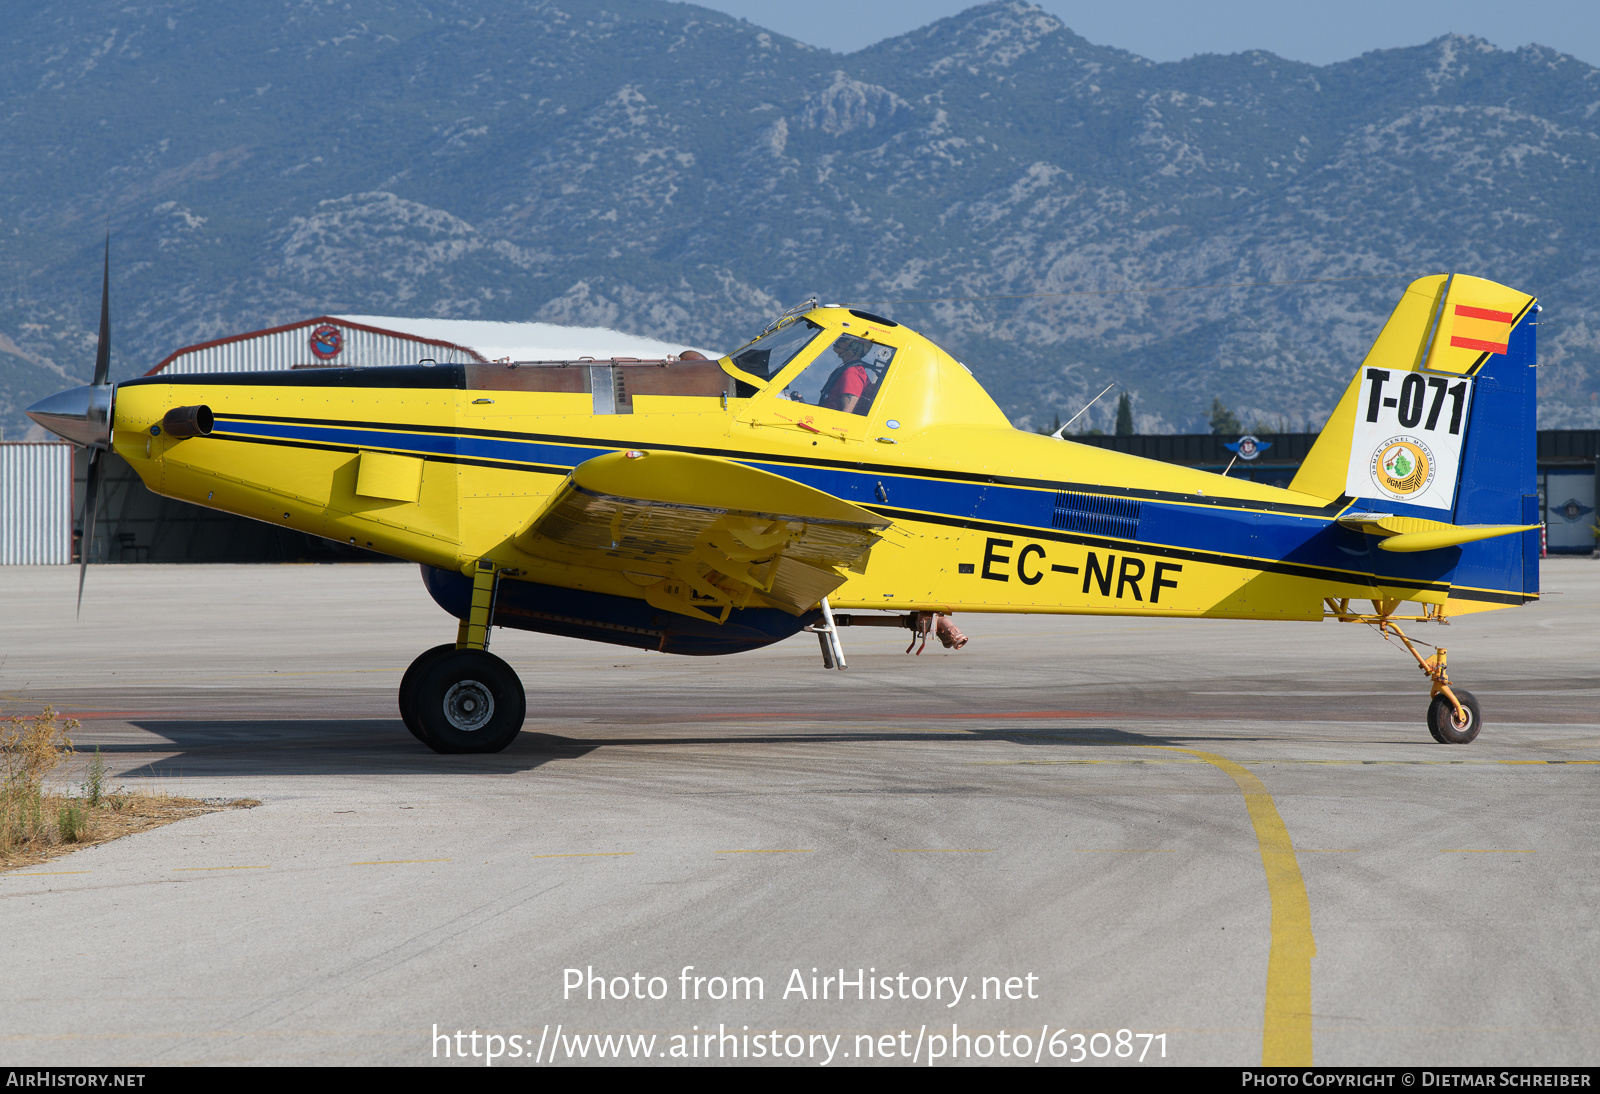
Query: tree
[1124,416]
[1223,420]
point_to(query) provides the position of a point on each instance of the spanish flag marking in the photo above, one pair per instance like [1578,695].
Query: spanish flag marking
[1481,329]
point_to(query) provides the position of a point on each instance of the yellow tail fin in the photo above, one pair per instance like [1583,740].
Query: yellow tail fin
[1397,433]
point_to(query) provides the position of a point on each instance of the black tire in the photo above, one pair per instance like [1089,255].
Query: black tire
[408,683]
[468,701]
[1442,722]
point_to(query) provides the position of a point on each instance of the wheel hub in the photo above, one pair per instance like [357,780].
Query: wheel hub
[468,706]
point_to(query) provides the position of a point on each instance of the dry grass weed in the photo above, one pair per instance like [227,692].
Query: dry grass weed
[37,825]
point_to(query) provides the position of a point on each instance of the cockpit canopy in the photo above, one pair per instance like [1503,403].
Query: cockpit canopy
[845,376]
[842,361]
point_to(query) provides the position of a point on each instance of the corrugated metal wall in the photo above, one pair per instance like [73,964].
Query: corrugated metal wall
[288,348]
[35,504]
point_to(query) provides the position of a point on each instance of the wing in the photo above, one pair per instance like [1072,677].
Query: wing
[704,535]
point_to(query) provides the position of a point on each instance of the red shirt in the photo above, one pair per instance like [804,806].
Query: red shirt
[853,381]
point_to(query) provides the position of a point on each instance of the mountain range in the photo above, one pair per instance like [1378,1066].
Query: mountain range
[992,179]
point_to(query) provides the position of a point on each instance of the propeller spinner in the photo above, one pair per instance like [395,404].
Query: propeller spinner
[83,416]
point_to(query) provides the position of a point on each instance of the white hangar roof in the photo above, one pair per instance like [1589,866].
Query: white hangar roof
[374,340]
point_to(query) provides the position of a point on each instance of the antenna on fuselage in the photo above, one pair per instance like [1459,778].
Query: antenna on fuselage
[1057,434]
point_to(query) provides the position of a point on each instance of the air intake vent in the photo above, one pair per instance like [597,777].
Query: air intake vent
[1113,518]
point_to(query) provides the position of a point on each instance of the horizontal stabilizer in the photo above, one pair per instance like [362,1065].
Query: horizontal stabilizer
[703,535]
[1411,534]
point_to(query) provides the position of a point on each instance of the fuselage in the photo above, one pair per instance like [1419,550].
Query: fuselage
[447,464]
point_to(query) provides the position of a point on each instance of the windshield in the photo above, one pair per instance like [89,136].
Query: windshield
[766,356]
[845,377]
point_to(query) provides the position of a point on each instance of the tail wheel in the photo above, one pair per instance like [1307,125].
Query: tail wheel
[1449,728]
[408,685]
[467,701]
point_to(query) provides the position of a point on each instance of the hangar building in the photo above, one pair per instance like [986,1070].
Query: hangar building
[346,341]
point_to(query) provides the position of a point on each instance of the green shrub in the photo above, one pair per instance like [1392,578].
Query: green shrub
[72,822]
[94,788]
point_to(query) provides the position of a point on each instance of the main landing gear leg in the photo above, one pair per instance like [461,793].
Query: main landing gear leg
[1453,714]
[461,697]
[827,633]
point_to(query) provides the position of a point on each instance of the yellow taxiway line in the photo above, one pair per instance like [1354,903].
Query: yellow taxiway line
[1286,1025]
[398,861]
[53,873]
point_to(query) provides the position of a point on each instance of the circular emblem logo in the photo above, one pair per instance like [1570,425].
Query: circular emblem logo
[326,342]
[1402,467]
[1249,448]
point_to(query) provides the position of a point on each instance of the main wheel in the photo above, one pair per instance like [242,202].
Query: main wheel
[468,701]
[1449,729]
[408,684]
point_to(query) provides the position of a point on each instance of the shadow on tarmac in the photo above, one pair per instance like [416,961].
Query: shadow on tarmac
[333,746]
[380,746]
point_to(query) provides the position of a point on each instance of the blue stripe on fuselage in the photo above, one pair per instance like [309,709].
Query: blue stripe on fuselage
[1251,534]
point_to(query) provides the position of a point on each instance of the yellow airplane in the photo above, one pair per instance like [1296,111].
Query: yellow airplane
[841,464]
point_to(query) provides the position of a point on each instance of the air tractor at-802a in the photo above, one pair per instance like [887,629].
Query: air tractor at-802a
[842,470]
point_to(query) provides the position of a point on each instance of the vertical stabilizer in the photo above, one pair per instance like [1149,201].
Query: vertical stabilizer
[1439,423]
[1398,437]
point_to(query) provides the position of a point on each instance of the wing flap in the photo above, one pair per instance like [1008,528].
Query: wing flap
[713,534]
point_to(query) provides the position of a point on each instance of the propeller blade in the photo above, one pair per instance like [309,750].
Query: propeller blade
[102,349]
[91,498]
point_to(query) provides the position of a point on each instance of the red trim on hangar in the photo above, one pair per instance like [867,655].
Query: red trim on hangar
[319,320]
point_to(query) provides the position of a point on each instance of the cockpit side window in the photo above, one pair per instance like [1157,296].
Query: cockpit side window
[846,376]
[766,356]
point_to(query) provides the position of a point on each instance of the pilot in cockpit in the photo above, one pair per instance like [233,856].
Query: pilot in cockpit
[849,382]
[854,369]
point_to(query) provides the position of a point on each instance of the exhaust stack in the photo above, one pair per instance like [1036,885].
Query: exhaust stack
[188,421]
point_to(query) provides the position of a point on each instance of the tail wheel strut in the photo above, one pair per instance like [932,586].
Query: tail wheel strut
[1453,714]
[1452,717]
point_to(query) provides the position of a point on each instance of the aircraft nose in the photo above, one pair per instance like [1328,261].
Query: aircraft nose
[82,415]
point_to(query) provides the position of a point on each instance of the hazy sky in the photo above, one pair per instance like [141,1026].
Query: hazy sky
[1169,30]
